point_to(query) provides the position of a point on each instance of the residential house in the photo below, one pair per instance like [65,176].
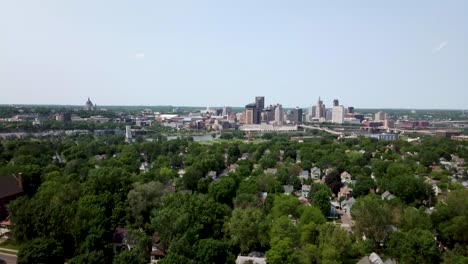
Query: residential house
[181,173]
[346,205]
[211,174]
[387,196]
[288,189]
[374,259]
[305,190]
[233,167]
[346,178]
[271,171]
[345,192]
[303,175]
[144,167]
[315,173]
[156,255]
[119,241]
[252,258]
[11,187]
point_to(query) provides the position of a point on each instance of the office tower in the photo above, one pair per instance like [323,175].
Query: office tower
[380,116]
[320,109]
[328,115]
[270,114]
[260,102]
[296,115]
[279,115]
[251,116]
[336,102]
[338,114]
[310,113]
[260,105]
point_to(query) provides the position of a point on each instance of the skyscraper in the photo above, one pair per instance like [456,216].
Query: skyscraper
[338,114]
[260,102]
[259,105]
[251,114]
[296,115]
[336,102]
[320,109]
[279,114]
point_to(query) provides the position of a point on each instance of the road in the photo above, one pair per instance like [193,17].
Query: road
[10,259]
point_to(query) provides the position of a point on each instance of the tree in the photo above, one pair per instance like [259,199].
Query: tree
[413,218]
[409,189]
[333,181]
[321,200]
[372,217]
[451,218]
[211,251]
[312,214]
[191,177]
[414,246]
[173,258]
[41,251]
[144,198]
[224,191]
[363,186]
[247,229]
[282,252]
[285,205]
[127,257]
[282,228]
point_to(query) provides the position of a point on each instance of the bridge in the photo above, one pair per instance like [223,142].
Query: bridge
[333,132]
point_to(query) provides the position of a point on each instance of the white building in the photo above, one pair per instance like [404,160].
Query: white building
[128,133]
[338,113]
[279,115]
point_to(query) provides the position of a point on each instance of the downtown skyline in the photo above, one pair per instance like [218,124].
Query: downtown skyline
[372,55]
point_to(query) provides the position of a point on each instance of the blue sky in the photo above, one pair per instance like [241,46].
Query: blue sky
[369,54]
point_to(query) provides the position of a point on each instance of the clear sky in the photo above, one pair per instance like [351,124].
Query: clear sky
[383,54]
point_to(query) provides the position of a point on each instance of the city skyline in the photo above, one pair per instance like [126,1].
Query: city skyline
[396,54]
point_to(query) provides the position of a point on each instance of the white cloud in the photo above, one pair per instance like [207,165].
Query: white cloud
[140,55]
[440,46]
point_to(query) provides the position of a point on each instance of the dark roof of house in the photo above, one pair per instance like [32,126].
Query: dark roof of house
[9,186]
[119,235]
[158,252]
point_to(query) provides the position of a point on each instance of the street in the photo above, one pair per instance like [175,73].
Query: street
[10,259]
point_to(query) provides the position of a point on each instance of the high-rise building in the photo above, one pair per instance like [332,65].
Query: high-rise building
[350,110]
[380,116]
[260,105]
[296,115]
[338,113]
[279,115]
[260,102]
[251,116]
[336,102]
[320,109]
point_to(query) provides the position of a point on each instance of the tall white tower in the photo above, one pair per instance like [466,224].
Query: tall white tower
[279,114]
[128,133]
